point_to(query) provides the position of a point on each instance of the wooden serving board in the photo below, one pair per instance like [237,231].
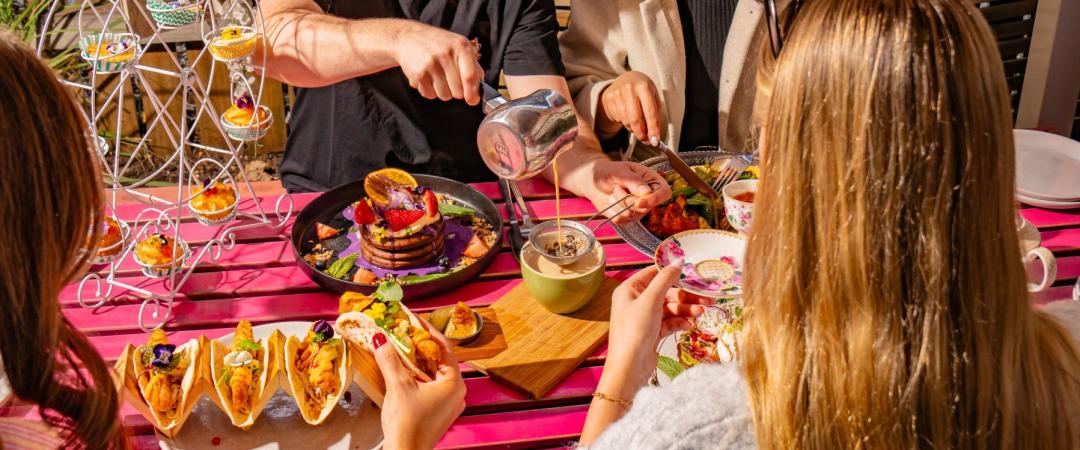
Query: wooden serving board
[544,347]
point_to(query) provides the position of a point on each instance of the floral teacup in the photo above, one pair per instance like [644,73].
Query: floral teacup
[739,204]
[714,261]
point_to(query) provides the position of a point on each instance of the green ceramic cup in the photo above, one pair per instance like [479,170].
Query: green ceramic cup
[562,290]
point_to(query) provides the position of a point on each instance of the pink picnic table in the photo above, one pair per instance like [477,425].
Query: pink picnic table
[260,281]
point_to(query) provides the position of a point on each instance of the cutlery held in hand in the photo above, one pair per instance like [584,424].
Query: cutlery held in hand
[687,172]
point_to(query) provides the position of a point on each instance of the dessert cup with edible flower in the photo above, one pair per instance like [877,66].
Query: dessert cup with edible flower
[232,43]
[246,121]
[114,236]
[109,52]
[214,204]
[159,255]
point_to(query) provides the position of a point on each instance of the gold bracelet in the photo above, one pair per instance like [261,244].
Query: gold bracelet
[618,401]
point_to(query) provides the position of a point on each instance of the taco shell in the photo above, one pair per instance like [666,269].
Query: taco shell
[358,329]
[130,365]
[296,381]
[409,358]
[267,380]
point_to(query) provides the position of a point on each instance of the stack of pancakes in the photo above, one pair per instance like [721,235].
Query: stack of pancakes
[415,250]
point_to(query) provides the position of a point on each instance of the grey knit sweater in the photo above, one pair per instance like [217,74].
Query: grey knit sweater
[707,407]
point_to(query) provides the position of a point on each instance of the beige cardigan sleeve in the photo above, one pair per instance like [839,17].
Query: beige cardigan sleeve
[592,52]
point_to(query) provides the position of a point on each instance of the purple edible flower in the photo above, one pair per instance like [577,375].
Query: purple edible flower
[163,355]
[245,102]
[323,330]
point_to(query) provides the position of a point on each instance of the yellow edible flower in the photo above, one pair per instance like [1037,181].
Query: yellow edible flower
[377,311]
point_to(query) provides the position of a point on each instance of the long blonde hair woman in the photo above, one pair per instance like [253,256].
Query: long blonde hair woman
[888,305]
[886,300]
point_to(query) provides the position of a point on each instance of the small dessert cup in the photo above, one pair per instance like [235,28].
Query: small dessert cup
[739,213]
[249,132]
[439,319]
[173,14]
[218,216]
[119,52]
[107,254]
[163,270]
[232,43]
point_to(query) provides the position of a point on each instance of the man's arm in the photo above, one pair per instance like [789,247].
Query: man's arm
[585,170]
[309,48]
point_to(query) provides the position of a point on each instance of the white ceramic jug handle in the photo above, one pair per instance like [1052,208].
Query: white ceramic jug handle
[1049,268]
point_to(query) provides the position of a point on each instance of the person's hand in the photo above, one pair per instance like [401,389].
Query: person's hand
[438,63]
[631,102]
[415,414]
[644,309]
[613,180]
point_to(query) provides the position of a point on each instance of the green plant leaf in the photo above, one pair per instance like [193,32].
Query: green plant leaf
[410,279]
[668,366]
[697,199]
[389,291]
[248,345]
[341,267]
[452,210]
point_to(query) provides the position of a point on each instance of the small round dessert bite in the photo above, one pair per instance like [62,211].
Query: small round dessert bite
[214,204]
[113,236]
[159,255]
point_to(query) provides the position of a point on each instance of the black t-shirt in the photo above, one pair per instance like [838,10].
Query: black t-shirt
[341,132]
[705,25]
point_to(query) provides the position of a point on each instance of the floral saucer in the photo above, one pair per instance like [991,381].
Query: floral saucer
[714,261]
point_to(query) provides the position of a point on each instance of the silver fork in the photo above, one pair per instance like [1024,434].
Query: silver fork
[731,172]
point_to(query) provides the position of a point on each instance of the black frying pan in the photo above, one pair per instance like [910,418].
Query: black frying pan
[327,208]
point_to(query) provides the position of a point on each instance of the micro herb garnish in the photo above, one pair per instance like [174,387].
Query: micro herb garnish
[248,345]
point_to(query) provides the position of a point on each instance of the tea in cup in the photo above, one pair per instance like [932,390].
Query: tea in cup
[562,289]
[739,204]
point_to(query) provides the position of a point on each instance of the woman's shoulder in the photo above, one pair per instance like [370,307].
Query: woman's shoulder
[705,407]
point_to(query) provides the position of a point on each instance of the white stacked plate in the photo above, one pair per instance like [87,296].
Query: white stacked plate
[1047,170]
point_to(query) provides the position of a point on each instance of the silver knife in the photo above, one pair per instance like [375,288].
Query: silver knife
[687,172]
[517,241]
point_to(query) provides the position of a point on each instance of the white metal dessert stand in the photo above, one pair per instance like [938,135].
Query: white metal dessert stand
[162,215]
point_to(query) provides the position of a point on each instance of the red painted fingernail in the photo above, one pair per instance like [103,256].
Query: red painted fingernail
[378,340]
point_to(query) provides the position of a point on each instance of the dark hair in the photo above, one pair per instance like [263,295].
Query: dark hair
[51,198]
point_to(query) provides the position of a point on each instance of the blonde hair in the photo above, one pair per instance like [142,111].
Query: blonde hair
[886,298]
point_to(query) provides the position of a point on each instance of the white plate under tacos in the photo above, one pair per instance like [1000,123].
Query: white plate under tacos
[354,424]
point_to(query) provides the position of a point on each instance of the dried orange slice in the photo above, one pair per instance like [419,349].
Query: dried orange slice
[379,182]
